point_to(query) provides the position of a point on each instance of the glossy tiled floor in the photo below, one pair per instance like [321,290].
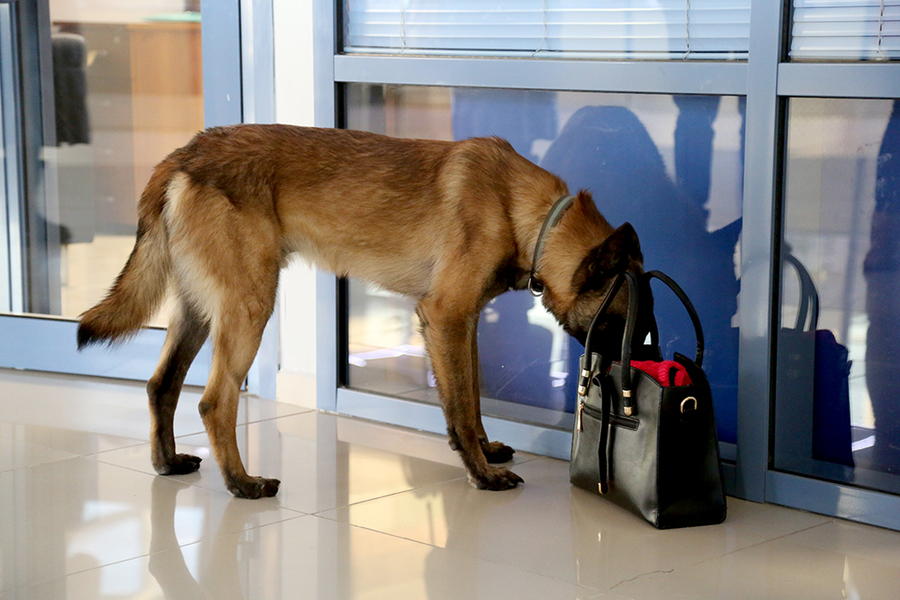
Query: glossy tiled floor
[364,511]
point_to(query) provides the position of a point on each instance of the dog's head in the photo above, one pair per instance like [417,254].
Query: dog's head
[585,256]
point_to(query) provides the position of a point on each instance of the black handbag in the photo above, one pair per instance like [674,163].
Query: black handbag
[648,447]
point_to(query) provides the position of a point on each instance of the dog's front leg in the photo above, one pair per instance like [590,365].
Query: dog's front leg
[494,452]
[450,339]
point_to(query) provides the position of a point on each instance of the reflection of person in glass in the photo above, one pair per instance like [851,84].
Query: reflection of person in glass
[608,150]
[882,270]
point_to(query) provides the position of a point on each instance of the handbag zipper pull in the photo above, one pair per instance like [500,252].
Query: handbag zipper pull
[578,415]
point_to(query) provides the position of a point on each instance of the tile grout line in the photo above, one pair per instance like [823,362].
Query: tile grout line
[763,542]
[136,443]
[719,556]
[219,492]
[383,497]
[301,411]
[179,547]
[642,575]
[457,552]
[411,489]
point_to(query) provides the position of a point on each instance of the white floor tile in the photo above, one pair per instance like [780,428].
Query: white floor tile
[117,408]
[23,445]
[364,511]
[306,558]
[549,527]
[323,461]
[66,516]
[811,565]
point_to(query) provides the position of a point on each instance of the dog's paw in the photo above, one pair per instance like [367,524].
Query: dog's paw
[180,464]
[496,479]
[497,452]
[254,487]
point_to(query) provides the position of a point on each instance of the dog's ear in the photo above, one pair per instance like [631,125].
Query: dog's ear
[613,256]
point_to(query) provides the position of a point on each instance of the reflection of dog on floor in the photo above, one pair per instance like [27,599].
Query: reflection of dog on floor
[450,224]
[219,574]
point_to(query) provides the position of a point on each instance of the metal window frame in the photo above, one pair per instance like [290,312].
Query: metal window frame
[10,169]
[767,81]
[236,32]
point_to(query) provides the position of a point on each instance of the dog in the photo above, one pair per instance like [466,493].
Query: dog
[449,224]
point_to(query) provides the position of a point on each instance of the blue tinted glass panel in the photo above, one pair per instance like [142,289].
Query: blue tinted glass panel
[671,165]
[837,410]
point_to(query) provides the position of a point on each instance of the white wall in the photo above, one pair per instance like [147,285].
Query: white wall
[294,101]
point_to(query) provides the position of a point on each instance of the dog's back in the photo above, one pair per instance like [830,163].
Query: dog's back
[365,205]
[387,210]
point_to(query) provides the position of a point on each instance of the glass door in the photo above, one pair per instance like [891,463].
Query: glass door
[837,416]
[94,94]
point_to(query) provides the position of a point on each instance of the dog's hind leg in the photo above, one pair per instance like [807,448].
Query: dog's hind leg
[235,342]
[449,339]
[226,254]
[187,332]
[237,329]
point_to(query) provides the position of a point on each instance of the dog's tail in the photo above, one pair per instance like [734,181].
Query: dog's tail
[141,286]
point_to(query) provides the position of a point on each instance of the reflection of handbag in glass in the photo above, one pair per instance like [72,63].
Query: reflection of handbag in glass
[813,385]
[641,440]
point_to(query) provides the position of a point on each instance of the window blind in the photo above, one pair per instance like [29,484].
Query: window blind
[846,30]
[648,29]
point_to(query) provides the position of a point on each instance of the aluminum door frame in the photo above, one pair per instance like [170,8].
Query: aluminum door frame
[238,82]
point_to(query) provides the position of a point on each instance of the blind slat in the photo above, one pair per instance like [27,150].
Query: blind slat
[846,30]
[670,28]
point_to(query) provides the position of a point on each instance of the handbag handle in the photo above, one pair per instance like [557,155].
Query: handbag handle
[630,322]
[607,300]
[654,331]
[809,297]
[584,380]
[689,307]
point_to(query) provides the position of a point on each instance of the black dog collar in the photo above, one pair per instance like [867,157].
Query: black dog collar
[535,285]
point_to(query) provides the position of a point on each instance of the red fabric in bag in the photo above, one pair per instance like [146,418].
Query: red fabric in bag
[668,372]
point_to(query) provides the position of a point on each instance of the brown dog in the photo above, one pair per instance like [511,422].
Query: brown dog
[450,224]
